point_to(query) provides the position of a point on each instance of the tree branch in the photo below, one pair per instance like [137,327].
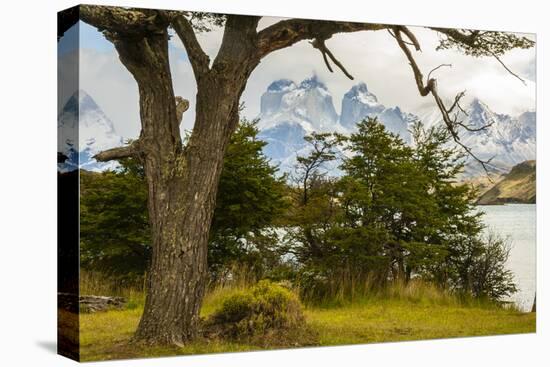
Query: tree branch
[129,21]
[424,90]
[319,44]
[241,29]
[507,68]
[484,43]
[436,68]
[467,39]
[200,62]
[131,150]
[431,88]
[393,35]
[410,35]
[288,32]
[456,103]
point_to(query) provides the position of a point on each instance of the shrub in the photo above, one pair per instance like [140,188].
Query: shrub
[479,268]
[267,313]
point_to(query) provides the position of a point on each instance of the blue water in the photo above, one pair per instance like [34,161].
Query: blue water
[517,223]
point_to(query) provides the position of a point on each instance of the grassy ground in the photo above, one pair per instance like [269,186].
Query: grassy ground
[405,314]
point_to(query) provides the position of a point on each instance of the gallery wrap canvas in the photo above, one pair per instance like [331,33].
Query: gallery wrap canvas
[233,183]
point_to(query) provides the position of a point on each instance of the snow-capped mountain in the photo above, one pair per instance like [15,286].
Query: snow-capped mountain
[82,119]
[509,140]
[359,103]
[308,104]
[289,111]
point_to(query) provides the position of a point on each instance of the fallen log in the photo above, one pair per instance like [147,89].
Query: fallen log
[89,303]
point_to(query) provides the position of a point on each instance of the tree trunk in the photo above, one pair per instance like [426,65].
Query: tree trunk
[181,206]
[183,182]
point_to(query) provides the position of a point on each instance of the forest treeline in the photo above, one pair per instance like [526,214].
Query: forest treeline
[356,214]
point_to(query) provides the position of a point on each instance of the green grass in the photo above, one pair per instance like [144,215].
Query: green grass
[400,313]
[387,321]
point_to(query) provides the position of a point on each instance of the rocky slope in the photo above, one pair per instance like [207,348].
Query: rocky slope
[518,186]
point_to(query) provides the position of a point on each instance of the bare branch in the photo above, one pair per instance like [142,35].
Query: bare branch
[456,103]
[507,68]
[131,150]
[472,129]
[485,164]
[419,78]
[288,32]
[431,88]
[410,35]
[197,57]
[319,44]
[393,35]
[438,67]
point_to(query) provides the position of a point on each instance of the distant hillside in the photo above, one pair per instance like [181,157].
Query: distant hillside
[518,186]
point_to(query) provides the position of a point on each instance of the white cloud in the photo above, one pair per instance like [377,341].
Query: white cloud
[103,77]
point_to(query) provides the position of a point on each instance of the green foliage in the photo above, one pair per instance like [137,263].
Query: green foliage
[313,206]
[476,266]
[114,225]
[483,43]
[250,199]
[115,232]
[396,213]
[257,311]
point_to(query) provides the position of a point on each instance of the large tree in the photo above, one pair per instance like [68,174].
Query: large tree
[182,182]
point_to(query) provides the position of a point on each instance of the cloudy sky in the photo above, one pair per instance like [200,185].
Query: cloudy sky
[372,57]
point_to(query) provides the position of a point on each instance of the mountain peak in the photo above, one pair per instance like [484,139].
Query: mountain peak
[80,102]
[281,85]
[308,104]
[478,105]
[359,88]
[480,113]
[361,93]
[313,82]
[86,102]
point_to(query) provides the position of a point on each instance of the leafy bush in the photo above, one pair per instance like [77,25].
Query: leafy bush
[267,311]
[478,267]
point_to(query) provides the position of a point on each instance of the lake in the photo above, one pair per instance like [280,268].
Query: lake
[517,223]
